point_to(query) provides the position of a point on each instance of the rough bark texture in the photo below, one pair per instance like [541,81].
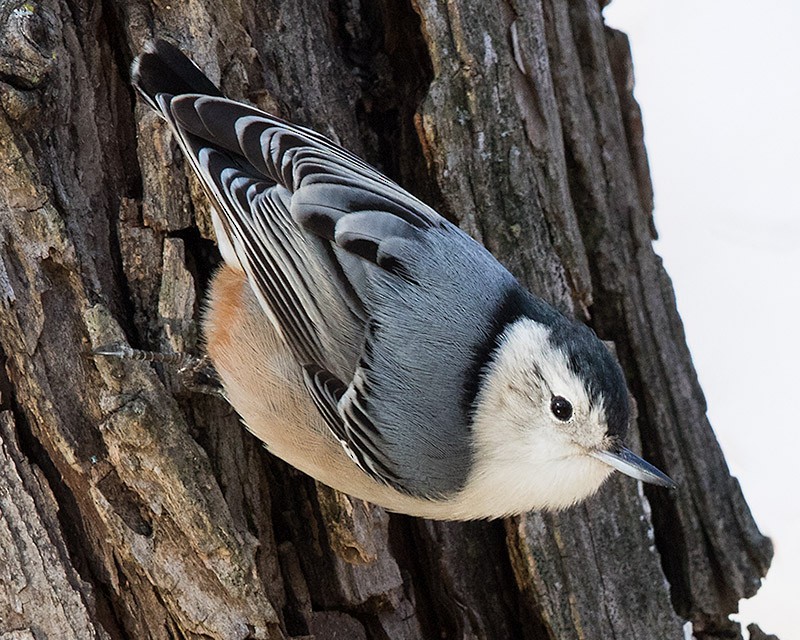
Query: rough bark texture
[134,509]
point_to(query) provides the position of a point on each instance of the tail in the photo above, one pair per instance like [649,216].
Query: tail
[160,72]
[162,68]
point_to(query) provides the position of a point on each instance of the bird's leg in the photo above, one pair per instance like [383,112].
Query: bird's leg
[195,373]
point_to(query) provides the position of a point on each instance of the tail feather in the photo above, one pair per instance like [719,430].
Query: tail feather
[163,68]
[160,72]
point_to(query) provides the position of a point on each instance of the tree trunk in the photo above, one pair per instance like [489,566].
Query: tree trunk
[132,508]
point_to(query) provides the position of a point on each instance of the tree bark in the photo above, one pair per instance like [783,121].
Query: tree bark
[132,508]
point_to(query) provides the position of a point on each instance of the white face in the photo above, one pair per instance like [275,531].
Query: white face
[526,453]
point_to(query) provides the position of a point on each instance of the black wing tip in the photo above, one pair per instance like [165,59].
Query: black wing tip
[163,68]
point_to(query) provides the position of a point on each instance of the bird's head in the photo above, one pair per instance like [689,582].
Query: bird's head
[552,415]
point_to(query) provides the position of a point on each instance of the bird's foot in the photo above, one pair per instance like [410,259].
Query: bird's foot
[195,373]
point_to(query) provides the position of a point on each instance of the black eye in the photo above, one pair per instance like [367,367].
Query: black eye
[561,408]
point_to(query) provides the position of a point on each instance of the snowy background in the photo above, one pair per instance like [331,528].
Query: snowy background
[719,87]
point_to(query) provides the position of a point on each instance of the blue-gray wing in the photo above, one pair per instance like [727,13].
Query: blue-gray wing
[390,309]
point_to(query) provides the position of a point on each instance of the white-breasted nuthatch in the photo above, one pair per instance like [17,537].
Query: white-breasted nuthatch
[371,343]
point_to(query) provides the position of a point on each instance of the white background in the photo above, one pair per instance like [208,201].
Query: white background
[719,87]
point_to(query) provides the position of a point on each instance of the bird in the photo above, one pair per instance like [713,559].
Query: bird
[371,343]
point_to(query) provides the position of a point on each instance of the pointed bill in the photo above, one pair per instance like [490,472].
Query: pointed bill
[630,464]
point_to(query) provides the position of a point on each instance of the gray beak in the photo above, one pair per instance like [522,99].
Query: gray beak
[630,464]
